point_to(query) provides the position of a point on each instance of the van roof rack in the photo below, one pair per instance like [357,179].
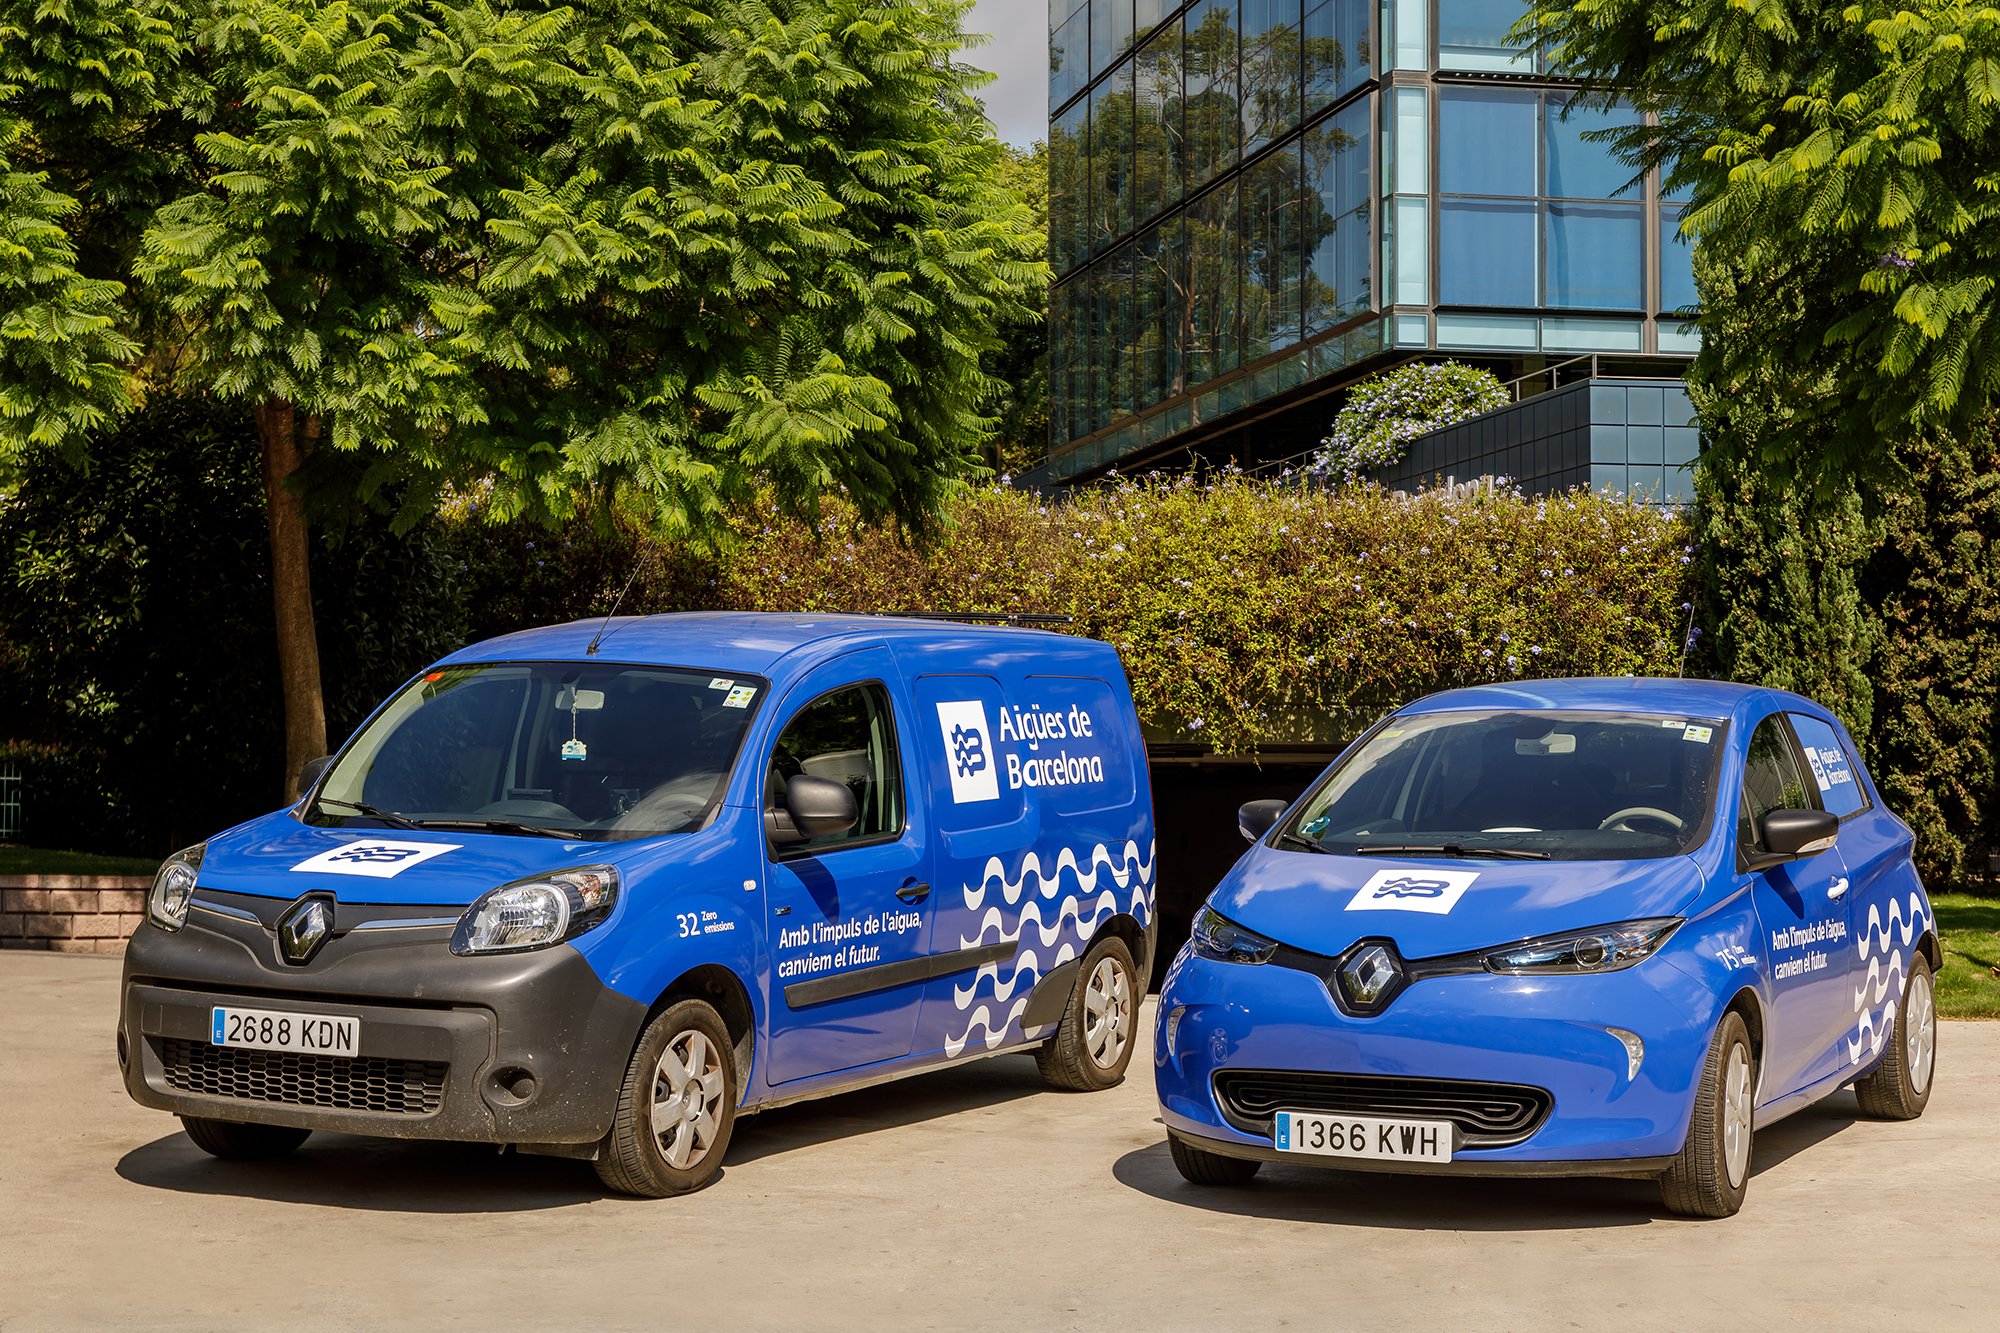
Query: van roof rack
[1015,618]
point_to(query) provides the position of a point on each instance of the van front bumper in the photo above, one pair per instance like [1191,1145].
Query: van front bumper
[528,1049]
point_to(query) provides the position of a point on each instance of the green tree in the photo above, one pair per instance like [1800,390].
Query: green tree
[653,254]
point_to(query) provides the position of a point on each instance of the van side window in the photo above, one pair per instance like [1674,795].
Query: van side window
[848,735]
[1771,781]
[1832,768]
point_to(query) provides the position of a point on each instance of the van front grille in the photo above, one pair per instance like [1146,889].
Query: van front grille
[390,1087]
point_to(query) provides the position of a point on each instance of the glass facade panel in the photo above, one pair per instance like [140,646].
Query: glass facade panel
[1214,245]
[1339,269]
[1159,307]
[1069,188]
[1486,141]
[1157,140]
[1408,24]
[1407,235]
[1596,257]
[1111,158]
[1146,14]
[1472,34]
[1069,59]
[1209,62]
[1101,47]
[1273,253]
[1677,290]
[1111,317]
[1575,167]
[1335,45]
[1486,252]
[1271,71]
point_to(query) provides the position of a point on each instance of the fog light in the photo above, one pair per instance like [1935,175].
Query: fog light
[1635,1050]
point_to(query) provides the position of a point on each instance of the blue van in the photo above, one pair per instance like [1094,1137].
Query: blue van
[597,889]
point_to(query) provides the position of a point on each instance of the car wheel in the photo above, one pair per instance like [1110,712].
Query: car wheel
[1900,1086]
[1201,1167]
[1712,1173]
[233,1142]
[1093,1044]
[677,1106]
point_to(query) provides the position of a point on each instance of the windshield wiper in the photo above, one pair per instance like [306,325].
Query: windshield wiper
[496,826]
[373,812]
[1451,849]
[1310,844]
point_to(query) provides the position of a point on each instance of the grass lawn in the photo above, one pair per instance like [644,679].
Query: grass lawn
[38,861]
[1970,929]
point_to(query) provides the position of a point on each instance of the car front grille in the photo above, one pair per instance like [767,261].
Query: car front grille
[391,1087]
[1488,1115]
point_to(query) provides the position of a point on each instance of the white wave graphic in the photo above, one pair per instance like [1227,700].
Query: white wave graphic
[1047,883]
[982,1021]
[1878,930]
[1883,979]
[1066,912]
[1870,1033]
[1028,969]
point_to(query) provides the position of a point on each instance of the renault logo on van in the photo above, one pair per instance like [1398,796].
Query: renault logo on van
[304,928]
[968,751]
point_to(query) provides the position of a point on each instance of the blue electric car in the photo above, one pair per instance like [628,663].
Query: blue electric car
[1568,927]
[595,890]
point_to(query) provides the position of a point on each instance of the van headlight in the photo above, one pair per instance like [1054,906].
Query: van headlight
[1218,938]
[1599,949]
[173,888]
[535,913]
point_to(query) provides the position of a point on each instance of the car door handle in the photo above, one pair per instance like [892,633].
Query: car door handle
[1837,890]
[914,892]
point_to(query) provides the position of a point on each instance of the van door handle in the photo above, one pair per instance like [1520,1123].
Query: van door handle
[1837,890]
[914,892]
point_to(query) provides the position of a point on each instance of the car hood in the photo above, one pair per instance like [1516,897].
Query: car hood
[1428,907]
[278,857]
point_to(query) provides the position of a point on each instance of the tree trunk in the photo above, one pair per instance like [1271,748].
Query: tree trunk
[291,590]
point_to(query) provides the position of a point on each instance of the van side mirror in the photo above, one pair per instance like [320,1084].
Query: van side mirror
[1257,818]
[814,808]
[310,770]
[1795,833]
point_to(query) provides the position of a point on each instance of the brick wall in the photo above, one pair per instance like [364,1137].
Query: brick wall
[71,913]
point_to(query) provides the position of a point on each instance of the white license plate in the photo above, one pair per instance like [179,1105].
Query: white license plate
[1363,1136]
[270,1030]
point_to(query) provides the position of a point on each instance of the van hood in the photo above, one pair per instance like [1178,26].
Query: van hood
[279,857]
[1325,903]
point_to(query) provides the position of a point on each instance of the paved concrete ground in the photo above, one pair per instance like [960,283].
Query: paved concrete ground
[969,1199]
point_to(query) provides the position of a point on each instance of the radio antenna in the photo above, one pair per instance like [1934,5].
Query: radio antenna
[630,579]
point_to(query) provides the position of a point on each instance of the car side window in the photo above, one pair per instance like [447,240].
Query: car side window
[1840,790]
[1771,781]
[848,736]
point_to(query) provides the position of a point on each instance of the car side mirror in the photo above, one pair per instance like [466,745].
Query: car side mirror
[1795,833]
[310,770]
[814,808]
[1257,818]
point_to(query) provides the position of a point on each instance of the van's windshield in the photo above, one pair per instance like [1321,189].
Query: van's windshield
[588,751]
[1519,785]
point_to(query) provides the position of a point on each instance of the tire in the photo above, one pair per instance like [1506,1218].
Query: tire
[1094,1042]
[683,1072]
[1900,1087]
[1712,1173]
[234,1142]
[1201,1167]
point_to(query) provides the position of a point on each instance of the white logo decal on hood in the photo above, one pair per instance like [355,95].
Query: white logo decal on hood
[1433,891]
[379,859]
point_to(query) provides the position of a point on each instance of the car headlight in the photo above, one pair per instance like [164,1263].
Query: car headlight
[1217,937]
[173,888]
[1599,949]
[535,913]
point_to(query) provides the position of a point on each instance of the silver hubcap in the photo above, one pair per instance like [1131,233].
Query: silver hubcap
[1107,1013]
[687,1099]
[1736,1115]
[1919,1033]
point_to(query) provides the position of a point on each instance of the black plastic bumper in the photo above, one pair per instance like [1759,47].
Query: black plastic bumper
[525,1049]
[1630,1168]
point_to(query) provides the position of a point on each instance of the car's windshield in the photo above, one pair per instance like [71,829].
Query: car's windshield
[1561,785]
[545,748]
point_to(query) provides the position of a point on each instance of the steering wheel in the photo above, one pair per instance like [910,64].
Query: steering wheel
[1653,812]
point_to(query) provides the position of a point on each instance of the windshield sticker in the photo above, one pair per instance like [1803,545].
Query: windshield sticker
[1672,723]
[1701,734]
[740,696]
[575,749]
[1433,891]
[380,859]
[721,683]
[1837,771]
[1819,770]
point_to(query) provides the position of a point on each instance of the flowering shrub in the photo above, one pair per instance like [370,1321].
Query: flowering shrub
[1247,612]
[1385,412]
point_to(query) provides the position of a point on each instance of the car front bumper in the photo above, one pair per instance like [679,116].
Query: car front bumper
[528,1049]
[1546,1033]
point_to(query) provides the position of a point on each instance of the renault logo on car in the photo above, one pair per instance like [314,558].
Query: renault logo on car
[304,928]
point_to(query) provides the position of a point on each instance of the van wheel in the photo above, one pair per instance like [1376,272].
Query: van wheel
[1198,1166]
[234,1142]
[1712,1173]
[1094,1043]
[1900,1087]
[677,1106]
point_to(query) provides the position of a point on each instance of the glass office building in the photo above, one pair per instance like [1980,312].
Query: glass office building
[1254,202]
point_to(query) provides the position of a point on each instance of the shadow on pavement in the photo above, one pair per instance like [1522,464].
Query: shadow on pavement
[981,1085]
[1457,1203]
